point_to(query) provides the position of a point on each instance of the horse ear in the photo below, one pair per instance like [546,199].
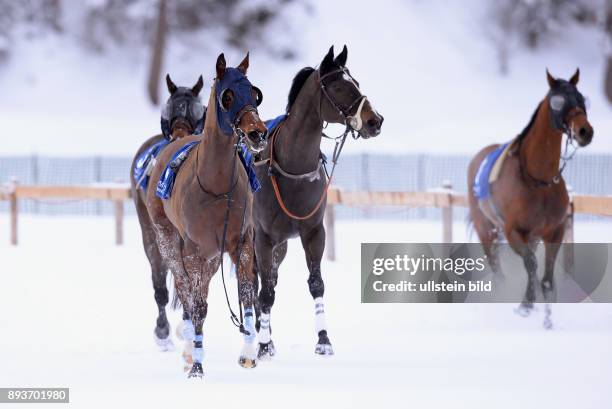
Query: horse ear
[551,80]
[328,61]
[575,77]
[220,66]
[198,86]
[244,65]
[170,84]
[341,58]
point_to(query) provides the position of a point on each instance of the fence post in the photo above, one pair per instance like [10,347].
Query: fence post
[330,232]
[447,214]
[568,237]
[118,222]
[13,205]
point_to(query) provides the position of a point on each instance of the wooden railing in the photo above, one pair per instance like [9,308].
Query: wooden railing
[444,198]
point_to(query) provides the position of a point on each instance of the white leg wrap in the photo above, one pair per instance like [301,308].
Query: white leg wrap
[320,323]
[264,328]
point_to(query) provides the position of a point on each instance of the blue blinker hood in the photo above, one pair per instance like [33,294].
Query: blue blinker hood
[237,82]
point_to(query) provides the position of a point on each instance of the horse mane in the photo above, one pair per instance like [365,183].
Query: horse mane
[526,130]
[297,84]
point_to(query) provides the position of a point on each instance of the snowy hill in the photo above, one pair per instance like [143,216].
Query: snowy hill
[428,67]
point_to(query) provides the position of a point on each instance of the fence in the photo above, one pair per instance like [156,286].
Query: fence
[443,198]
[587,173]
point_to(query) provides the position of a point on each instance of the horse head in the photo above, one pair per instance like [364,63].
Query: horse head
[236,102]
[569,109]
[183,114]
[345,103]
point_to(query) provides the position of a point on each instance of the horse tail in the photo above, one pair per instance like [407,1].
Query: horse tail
[176,302]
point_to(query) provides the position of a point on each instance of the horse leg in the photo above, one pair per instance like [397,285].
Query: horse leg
[314,244]
[170,245]
[243,257]
[200,275]
[488,234]
[519,242]
[268,260]
[552,244]
[159,272]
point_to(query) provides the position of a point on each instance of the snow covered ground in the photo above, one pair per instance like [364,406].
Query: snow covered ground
[78,312]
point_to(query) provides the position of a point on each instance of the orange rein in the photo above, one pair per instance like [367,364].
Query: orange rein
[277,193]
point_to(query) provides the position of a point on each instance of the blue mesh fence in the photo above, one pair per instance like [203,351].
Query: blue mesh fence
[587,173]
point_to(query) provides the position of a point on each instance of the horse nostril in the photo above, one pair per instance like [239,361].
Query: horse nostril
[374,123]
[256,135]
[582,132]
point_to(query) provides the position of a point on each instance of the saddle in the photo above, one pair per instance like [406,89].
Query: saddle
[166,180]
[488,172]
[145,163]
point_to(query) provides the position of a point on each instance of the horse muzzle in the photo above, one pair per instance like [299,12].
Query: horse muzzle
[256,140]
[583,135]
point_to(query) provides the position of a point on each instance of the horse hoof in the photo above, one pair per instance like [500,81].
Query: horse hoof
[164,344]
[524,309]
[266,351]
[247,363]
[548,325]
[196,371]
[324,349]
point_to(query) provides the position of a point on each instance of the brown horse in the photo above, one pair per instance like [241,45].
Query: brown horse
[209,211]
[528,201]
[182,116]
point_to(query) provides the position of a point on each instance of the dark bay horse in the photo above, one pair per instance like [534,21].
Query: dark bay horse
[210,209]
[528,201]
[292,200]
[182,115]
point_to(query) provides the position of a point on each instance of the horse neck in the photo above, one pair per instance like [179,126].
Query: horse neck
[217,149]
[541,149]
[298,149]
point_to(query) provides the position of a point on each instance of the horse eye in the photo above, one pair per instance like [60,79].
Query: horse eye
[226,99]
[557,102]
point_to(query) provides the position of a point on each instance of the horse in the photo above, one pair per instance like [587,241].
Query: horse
[292,199]
[209,211]
[528,201]
[182,115]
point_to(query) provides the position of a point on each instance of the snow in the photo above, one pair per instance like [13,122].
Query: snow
[78,312]
[428,67]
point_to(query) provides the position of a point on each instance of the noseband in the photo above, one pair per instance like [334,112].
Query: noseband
[353,122]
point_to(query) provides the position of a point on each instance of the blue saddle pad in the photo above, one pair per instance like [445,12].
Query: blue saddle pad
[166,181]
[481,180]
[271,124]
[247,160]
[143,161]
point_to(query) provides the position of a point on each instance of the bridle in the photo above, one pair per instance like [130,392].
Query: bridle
[566,156]
[353,125]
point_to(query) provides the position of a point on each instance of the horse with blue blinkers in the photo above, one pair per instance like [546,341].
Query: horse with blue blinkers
[209,211]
